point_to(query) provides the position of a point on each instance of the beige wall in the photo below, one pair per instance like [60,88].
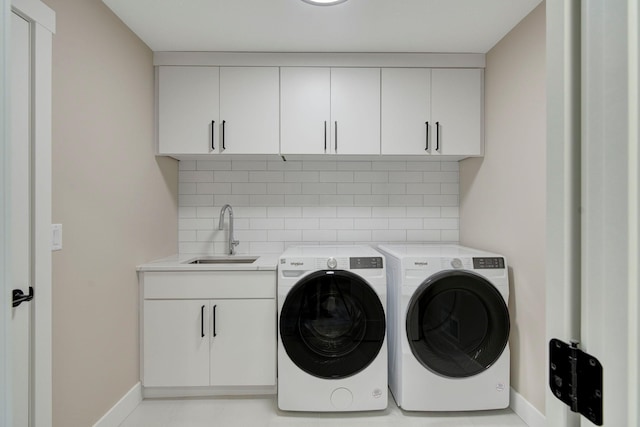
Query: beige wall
[116,201]
[502,196]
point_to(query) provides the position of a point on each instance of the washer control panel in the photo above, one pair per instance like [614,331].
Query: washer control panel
[488,262]
[365,262]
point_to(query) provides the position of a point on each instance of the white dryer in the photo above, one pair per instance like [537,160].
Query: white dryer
[332,349]
[448,327]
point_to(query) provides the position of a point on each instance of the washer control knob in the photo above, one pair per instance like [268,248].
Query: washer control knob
[332,263]
[456,263]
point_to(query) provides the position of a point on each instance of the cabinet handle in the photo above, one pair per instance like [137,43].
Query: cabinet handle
[325,135]
[437,136]
[223,123]
[336,137]
[202,322]
[426,145]
[214,321]
[213,132]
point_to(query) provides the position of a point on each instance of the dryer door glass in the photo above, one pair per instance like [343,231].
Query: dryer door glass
[457,324]
[332,324]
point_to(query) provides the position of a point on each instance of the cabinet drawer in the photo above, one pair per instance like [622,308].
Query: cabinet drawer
[209,284]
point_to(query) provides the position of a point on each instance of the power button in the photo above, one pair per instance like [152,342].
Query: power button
[332,263]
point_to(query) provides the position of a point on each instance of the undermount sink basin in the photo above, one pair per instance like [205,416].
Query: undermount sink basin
[232,259]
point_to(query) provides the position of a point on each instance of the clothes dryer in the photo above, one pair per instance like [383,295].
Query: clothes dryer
[332,348]
[448,327]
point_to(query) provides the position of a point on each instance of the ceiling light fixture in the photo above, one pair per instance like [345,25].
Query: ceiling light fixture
[324,2]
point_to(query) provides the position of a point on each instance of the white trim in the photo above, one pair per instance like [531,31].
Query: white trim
[168,392]
[427,60]
[121,410]
[5,368]
[36,11]
[525,410]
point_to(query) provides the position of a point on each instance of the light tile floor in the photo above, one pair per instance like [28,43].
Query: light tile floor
[263,412]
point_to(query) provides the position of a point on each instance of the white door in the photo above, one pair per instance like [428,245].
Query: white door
[456,111]
[188,110]
[406,111]
[305,110]
[21,222]
[243,342]
[355,110]
[250,110]
[176,343]
[594,197]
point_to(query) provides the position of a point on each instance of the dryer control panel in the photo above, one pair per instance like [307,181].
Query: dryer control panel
[480,263]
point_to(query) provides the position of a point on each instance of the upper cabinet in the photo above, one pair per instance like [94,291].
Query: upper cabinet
[209,110]
[188,110]
[432,111]
[457,111]
[249,101]
[329,110]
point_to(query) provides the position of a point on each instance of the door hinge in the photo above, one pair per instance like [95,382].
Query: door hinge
[575,377]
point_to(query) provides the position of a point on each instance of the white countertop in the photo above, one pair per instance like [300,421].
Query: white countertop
[181,263]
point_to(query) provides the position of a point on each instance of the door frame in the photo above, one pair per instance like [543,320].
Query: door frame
[42,20]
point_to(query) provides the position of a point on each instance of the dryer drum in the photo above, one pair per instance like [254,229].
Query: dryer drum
[332,324]
[457,324]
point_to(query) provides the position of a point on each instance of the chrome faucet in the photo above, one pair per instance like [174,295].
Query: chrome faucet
[232,243]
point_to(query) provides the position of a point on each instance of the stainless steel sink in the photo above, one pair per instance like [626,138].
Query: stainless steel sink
[223,260]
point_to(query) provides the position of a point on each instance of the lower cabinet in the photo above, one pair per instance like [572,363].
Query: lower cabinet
[212,342]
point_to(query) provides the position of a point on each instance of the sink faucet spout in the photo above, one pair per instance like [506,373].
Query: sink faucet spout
[232,243]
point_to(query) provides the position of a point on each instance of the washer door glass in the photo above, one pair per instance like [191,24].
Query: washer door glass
[332,324]
[457,324]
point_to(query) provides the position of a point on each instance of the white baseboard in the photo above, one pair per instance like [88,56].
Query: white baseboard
[121,410]
[525,410]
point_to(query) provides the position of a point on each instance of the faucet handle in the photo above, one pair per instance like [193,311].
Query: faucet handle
[235,242]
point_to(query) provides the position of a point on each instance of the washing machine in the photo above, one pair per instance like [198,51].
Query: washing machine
[332,348]
[448,327]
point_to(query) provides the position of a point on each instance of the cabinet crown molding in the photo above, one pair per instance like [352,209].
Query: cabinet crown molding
[291,59]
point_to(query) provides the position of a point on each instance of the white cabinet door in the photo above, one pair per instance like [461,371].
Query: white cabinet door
[188,110]
[249,110]
[355,110]
[243,342]
[456,111]
[176,343]
[305,110]
[406,111]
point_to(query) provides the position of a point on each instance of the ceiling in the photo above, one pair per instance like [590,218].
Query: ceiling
[453,26]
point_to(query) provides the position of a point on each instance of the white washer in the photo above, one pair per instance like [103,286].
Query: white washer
[332,348]
[448,327]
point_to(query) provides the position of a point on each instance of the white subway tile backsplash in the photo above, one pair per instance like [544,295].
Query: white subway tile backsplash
[354,166]
[372,177]
[284,212]
[353,212]
[319,188]
[319,212]
[195,176]
[195,200]
[409,176]
[262,176]
[301,223]
[373,200]
[213,188]
[301,176]
[279,203]
[214,165]
[336,200]
[230,199]
[336,223]
[336,176]
[230,176]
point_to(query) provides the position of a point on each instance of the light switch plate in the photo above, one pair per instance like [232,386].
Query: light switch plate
[56,237]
